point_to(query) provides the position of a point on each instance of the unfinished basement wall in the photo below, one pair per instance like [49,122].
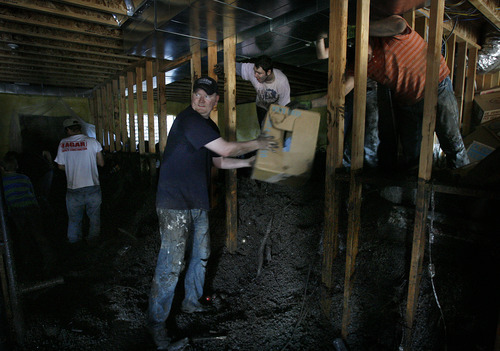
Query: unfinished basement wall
[15,105]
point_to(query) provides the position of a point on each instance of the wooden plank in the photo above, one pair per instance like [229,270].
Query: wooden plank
[99,128]
[140,109]
[335,135]
[150,106]
[488,81]
[131,110]
[162,109]
[421,26]
[450,54]
[358,133]
[230,113]
[123,114]
[195,60]
[212,61]
[425,165]
[460,77]
[410,17]
[489,9]
[170,65]
[469,90]
[116,116]
[480,81]
[105,112]
[110,116]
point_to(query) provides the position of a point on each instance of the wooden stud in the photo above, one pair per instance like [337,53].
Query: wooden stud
[335,135]
[131,110]
[99,125]
[410,17]
[151,106]
[195,60]
[425,165]
[469,90]
[421,26]
[450,54]
[123,114]
[162,109]
[230,112]
[358,132]
[212,61]
[110,116]
[105,112]
[488,81]
[140,108]
[460,77]
[116,123]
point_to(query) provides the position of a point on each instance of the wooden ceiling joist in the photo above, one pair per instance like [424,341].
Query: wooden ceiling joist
[489,9]
[55,34]
[61,10]
[41,20]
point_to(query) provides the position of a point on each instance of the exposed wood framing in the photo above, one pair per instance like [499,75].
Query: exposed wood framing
[99,126]
[116,117]
[469,90]
[110,116]
[212,61]
[358,141]
[105,128]
[489,8]
[131,110]
[450,54]
[460,77]
[462,31]
[151,106]
[162,109]
[68,11]
[140,109]
[123,114]
[230,114]
[425,165]
[195,60]
[335,135]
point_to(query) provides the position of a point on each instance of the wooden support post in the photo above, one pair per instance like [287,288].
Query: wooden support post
[230,112]
[450,54]
[487,81]
[469,90]
[358,132]
[151,106]
[212,61]
[116,116]
[410,17]
[425,165]
[337,47]
[123,114]
[460,78]
[162,109]
[105,112]
[421,25]
[110,116]
[195,60]
[214,115]
[480,81]
[98,124]
[131,110]
[151,119]
[140,109]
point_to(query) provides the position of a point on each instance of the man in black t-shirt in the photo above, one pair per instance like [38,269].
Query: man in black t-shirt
[182,203]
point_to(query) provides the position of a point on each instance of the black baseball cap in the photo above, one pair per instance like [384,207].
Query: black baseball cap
[206,83]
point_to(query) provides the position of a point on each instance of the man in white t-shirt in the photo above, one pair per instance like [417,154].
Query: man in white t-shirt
[79,155]
[271,84]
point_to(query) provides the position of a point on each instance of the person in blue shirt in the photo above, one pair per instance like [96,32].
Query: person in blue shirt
[194,144]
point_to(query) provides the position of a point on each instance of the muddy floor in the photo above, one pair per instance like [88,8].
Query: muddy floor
[267,295]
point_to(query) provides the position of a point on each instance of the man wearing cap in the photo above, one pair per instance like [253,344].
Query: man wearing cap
[194,144]
[79,155]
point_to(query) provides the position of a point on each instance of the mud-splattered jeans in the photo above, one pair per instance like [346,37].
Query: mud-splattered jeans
[182,232]
[447,129]
[78,201]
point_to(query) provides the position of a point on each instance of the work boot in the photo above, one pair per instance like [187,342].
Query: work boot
[160,337]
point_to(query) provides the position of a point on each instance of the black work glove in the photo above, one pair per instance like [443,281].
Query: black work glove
[303,105]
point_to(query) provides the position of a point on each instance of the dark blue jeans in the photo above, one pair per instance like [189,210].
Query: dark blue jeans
[410,128]
[182,232]
[79,201]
